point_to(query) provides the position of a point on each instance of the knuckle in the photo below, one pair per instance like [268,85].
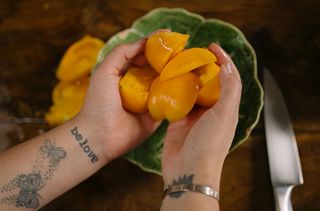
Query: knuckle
[235,85]
[233,90]
[238,85]
[118,48]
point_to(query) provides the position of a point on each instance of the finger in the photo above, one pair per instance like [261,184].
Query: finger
[177,131]
[148,122]
[223,57]
[143,125]
[230,83]
[230,95]
[157,31]
[139,60]
[119,56]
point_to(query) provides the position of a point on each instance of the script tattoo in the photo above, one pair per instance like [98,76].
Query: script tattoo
[181,180]
[83,143]
[23,190]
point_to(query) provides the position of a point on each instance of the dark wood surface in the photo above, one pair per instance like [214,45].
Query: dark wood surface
[285,34]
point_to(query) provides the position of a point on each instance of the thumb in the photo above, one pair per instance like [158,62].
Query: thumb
[119,56]
[105,80]
[108,72]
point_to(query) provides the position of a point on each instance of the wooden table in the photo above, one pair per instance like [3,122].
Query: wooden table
[34,34]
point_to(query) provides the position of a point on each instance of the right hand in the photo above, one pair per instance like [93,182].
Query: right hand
[198,144]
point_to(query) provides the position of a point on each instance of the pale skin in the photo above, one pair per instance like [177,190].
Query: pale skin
[41,169]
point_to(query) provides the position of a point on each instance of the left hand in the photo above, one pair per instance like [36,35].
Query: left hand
[198,144]
[103,117]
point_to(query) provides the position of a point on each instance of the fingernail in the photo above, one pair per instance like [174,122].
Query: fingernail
[228,67]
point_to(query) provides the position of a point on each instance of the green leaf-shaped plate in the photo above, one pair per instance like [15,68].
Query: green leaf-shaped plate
[203,32]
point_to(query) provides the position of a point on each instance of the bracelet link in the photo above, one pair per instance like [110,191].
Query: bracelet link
[206,190]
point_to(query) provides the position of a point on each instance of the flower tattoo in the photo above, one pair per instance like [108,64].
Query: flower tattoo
[23,190]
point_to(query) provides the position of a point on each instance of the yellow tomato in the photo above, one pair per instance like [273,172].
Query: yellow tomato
[174,98]
[134,88]
[161,46]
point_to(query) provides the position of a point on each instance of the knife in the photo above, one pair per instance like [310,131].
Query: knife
[283,156]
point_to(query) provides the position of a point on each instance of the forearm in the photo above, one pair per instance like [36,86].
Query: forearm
[37,171]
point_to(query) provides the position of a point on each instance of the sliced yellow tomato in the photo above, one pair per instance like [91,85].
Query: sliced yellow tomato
[186,61]
[161,46]
[209,93]
[68,99]
[207,73]
[173,99]
[79,59]
[134,88]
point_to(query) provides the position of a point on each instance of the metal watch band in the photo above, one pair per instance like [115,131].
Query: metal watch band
[206,190]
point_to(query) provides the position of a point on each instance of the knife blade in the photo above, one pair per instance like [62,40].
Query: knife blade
[283,156]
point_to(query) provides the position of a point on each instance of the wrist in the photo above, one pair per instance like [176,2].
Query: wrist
[195,200]
[191,201]
[86,136]
[204,172]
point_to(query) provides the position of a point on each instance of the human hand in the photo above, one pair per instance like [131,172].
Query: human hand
[198,144]
[102,117]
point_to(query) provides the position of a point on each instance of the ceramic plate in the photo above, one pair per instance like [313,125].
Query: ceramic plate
[203,32]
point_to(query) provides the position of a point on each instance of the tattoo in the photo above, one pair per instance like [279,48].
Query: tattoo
[29,186]
[22,191]
[83,142]
[55,153]
[181,180]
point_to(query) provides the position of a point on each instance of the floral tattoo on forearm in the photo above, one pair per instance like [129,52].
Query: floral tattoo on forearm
[23,190]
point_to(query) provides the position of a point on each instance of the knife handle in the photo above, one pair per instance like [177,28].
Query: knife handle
[282,195]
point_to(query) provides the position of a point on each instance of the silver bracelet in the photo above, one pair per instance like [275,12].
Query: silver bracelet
[206,190]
